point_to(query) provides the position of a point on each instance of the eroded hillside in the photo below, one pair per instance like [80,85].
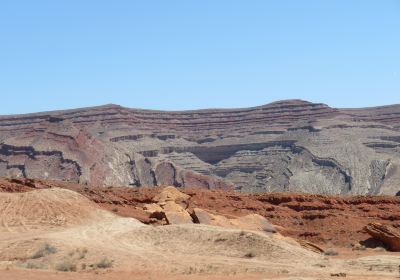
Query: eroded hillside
[287,146]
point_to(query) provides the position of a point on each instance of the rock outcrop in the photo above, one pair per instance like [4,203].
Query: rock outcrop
[170,206]
[166,207]
[292,145]
[319,219]
[386,234]
[248,222]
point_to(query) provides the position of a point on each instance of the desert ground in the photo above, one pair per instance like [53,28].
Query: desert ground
[57,233]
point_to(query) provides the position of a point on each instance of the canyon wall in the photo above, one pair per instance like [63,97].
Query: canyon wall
[286,146]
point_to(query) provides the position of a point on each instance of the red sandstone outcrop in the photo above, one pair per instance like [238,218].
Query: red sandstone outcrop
[386,234]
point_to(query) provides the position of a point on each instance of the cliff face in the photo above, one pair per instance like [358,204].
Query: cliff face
[283,146]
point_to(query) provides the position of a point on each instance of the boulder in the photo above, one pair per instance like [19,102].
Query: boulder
[167,208]
[176,214]
[170,194]
[386,234]
[204,217]
[254,222]
[311,246]
[152,208]
[248,222]
[171,206]
[174,218]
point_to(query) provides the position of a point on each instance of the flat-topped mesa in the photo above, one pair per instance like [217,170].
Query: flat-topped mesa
[276,114]
[384,114]
[281,113]
[290,145]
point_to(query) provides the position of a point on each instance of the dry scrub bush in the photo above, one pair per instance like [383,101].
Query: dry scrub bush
[66,265]
[104,263]
[45,250]
[331,252]
[250,255]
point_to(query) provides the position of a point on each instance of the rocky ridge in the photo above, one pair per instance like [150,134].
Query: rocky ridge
[292,146]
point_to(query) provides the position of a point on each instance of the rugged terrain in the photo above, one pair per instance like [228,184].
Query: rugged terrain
[56,233]
[286,146]
[328,221]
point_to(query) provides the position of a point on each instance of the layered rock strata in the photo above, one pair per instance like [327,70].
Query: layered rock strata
[292,145]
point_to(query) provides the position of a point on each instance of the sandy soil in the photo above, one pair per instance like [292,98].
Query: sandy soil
[48,230]
[138,275]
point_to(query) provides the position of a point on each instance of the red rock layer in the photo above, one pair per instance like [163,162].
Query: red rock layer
[325,220]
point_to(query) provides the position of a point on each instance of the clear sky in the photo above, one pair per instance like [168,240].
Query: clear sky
[189,54]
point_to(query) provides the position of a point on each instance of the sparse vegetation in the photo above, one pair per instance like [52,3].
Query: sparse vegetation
[79,252]
[82,252]
[71,253]
[115,210]
[30,265]
[191,270]
[45,250]
[250,255]
[221,239]
[331,252]
[104,263]
[340,274]
[358,247]
[66,265]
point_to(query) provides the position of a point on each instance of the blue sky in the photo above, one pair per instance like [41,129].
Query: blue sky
[197,54]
